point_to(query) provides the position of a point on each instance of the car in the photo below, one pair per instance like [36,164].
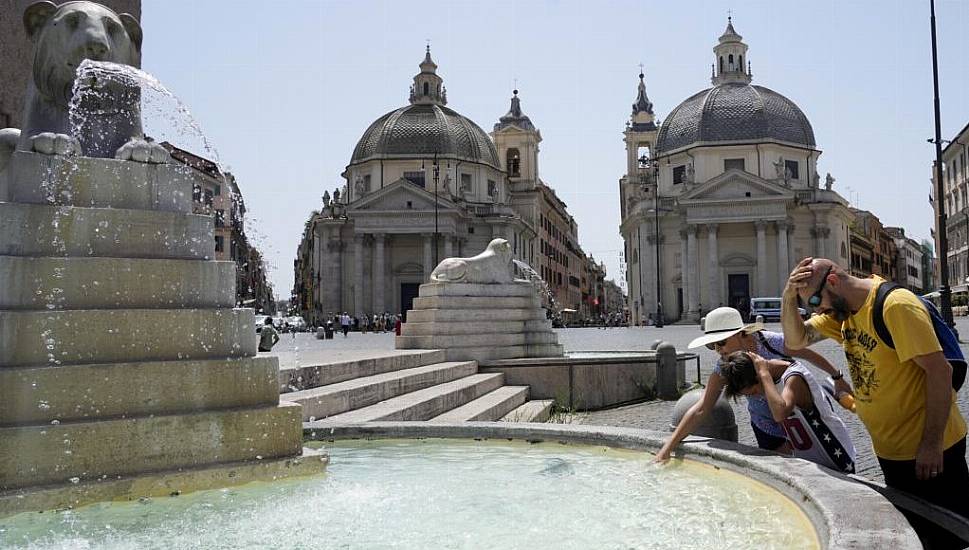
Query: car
[295,324]
[770,309]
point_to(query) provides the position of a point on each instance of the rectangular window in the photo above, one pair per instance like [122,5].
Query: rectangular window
[208,197]
[220,218]
[791,167]
[493,189]
[219,243]
[679,174]
[734,164]
[366,182]
[465,182]
[417,178]
[197,193]
[218,190]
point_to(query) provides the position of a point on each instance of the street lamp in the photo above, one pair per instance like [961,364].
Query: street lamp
[648,169]
[437,173]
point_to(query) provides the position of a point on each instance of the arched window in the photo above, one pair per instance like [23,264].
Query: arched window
[730,62]
[721,63]
[513,162]
[844,250]
[426,89]
[740,61]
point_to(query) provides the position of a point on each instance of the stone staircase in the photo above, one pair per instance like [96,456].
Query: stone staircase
[413,385]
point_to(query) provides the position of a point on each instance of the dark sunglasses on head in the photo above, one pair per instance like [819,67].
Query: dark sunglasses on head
[815,299]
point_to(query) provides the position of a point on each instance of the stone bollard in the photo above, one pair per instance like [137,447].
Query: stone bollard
[667,387]
[718,423]
[655,345]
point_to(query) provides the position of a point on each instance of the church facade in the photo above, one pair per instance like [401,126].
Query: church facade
[722,199]
[424,183]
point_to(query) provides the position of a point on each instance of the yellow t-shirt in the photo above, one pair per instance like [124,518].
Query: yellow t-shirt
[889,386]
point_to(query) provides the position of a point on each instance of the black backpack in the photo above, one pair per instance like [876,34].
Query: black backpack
[947,338]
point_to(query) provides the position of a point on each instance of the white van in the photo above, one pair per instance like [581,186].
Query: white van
[770,309]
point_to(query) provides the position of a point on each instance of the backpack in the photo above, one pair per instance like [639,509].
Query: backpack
[947,338]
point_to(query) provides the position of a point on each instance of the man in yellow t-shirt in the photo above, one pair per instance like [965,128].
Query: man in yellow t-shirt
[904,395]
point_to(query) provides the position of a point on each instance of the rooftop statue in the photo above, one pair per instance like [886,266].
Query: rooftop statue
[63,37]
[492,266]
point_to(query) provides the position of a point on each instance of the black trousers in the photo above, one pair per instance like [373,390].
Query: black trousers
[950,489]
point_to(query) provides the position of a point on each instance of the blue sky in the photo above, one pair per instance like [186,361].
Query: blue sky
[285,89]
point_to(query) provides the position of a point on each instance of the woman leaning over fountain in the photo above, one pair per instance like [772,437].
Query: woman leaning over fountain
[725,332]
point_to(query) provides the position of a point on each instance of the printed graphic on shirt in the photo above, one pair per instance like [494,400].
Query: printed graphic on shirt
[862,370]
[803,442]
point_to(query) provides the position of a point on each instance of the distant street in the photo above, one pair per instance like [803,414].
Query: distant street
[305,349]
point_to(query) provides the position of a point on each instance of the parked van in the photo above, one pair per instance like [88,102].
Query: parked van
[770,309]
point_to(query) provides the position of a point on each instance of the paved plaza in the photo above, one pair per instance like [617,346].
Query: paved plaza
[305,349]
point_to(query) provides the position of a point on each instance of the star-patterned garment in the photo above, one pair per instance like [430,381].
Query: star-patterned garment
[817,433]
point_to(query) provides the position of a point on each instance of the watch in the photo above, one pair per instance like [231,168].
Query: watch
[838,376]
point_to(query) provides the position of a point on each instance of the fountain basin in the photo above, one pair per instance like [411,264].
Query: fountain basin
[409,485]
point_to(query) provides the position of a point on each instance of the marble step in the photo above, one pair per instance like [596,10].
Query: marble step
[475,315]
[487,408]
[312,376]
[325,401]
[115,283]
[58,453]
[127,335]
[449,341]
[39,230]
[491,353]
[531,411]
[39,395]
[415,328]
[421,404]
[97,182]
[476,302]
[473,289]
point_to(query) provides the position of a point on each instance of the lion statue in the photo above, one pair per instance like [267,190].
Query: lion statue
[63,37]
[491,266]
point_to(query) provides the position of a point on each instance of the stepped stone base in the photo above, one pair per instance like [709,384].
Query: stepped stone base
[480,322]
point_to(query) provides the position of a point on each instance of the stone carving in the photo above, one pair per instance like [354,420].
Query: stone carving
[816,180]
[63,37]
[828,182]
[490,267]
[690,173]
[326,198]
[447,185]
[336,196]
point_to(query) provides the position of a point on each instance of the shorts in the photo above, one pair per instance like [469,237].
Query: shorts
[766,440]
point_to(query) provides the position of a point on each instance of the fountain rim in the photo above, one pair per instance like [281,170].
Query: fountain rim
[830,500]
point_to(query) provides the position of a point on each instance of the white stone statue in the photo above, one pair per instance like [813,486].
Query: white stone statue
[816,181]
[690,173]
[828,182]
[326,198]
[360,187]
[490,267]
[447,185]
[63,37]
[779,169]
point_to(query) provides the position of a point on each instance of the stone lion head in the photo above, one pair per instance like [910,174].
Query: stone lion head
[64,36]
[501,248]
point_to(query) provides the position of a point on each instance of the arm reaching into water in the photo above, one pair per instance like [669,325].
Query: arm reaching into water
[692,417]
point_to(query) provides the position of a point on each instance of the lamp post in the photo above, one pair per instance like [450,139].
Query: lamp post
[652,169]
[437,172]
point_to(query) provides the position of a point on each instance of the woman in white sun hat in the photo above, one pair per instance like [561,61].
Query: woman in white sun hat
[724,332]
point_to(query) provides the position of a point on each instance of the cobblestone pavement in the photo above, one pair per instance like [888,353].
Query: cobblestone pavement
[653,415]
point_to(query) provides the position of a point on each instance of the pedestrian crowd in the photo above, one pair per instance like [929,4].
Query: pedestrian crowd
[904,364]
[375,322]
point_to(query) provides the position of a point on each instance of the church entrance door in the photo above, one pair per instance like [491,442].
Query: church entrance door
[408,291]
[738,289]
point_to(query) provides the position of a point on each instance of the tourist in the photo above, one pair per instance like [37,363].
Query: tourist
[397,325]
[725,333]
[345,323]
[267,335]
[904,395]
[797,402]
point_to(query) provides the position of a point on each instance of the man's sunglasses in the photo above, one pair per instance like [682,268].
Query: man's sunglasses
[715,346]
[815,299]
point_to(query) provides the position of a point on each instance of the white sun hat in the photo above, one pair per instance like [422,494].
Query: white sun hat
[722,323]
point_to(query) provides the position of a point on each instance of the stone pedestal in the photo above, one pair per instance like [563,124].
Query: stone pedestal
[122,357]
[473,321]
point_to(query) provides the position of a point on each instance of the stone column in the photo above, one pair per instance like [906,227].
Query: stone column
[448,248]
[691,251]
[378,272]
[684,269]
[713,261]
[357,274]
[428,255]
[648,258]
[783,260]
[761,227]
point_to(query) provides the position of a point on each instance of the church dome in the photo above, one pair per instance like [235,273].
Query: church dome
[423,129]
[732,112]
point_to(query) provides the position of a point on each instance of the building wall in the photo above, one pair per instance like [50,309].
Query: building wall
[16,55]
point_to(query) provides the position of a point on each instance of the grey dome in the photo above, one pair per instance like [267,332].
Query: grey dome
[422,130]
[735,112]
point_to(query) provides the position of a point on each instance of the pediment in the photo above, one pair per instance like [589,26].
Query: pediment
[736,185]
[397,195]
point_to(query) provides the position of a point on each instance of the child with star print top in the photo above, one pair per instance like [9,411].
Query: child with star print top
[797,402]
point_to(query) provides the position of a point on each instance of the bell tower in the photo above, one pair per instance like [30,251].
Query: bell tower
[428,87]
[517,139]
[640,133]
